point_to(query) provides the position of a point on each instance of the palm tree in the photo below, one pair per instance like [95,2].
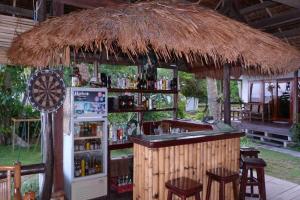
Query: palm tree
[213,99]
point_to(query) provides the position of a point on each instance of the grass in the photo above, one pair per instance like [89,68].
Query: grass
[24,155]
[279,165]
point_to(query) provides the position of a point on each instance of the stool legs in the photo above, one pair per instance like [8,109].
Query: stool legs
[208,188]
[235,189]
[197,196]
[169,195]
[251,177]
[262,185]
[243,184]
[222,191]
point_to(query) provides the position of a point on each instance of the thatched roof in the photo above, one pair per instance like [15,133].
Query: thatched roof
[197,35]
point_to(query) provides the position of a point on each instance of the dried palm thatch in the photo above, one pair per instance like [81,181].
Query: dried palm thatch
[199,36]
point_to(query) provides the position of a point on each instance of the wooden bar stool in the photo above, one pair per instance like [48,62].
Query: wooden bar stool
[222,176]
[184,188]
[249,152]
[258,165]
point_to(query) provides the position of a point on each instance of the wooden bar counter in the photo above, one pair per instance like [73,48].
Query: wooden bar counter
[159,158]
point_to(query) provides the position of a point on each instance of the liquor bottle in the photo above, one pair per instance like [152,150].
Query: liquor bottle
[109,82]
[144,82]
[82,165]
[138,85]
[76,168]
[86,167]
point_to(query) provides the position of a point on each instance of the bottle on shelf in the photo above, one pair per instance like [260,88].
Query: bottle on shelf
[82,165]
[109,83]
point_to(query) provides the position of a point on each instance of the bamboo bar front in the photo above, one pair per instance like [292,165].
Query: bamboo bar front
[155,166]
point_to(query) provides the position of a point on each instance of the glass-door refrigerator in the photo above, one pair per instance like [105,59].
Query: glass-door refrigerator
[85,143]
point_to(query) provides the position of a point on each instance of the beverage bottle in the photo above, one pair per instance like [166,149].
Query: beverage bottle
[109,82]
[87,167]
[138,86]
[82,165]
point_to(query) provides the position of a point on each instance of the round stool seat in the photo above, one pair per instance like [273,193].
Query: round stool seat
[255,162]
[222,174]
[249,152]
[184,186]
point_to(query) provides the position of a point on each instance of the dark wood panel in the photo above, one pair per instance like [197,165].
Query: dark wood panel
[288,33]
[278,20]
[119,145]
[291,3]
[259,6]
[15,10]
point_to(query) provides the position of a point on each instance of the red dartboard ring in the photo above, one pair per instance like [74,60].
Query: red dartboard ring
[46,90]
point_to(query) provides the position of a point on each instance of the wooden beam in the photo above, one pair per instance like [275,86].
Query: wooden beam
[89,3]
[48,159]
[278,20]
[57,8]
[291,3]
[16,11]
[295,93]
[288,33]
[226,94]
[258,6]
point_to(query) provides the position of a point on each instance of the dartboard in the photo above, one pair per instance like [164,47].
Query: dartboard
[46,90]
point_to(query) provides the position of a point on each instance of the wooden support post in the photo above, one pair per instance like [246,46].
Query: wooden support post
[57,8]
[295,98]
[58,182]
[175,99]
[226,93]
[48,157]
[140,114]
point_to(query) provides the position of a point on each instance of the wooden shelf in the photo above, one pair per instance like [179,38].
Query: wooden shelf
[87,138]
[87,151]
[120,90]
[140,110]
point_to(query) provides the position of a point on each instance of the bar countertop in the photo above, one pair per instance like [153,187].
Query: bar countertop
[165,140]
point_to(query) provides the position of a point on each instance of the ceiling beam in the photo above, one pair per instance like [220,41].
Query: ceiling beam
[288,33]
[258,6]
[277,20]
[291,3]
[89,3]
[16,11]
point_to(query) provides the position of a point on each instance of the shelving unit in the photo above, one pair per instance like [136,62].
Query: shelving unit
[141,110]
[120,90]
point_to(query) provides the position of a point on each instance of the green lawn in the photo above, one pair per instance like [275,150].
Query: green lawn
[24,155]
[281,165]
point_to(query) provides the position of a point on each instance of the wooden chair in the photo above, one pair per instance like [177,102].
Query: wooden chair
[12,172]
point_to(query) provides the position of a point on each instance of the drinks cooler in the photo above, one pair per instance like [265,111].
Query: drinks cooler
[85,143]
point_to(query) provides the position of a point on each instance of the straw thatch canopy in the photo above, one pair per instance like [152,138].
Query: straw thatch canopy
[199,36]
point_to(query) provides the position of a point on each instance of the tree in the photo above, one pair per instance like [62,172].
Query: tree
[213,98]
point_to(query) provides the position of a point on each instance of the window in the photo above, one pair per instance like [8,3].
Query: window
[255,92]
